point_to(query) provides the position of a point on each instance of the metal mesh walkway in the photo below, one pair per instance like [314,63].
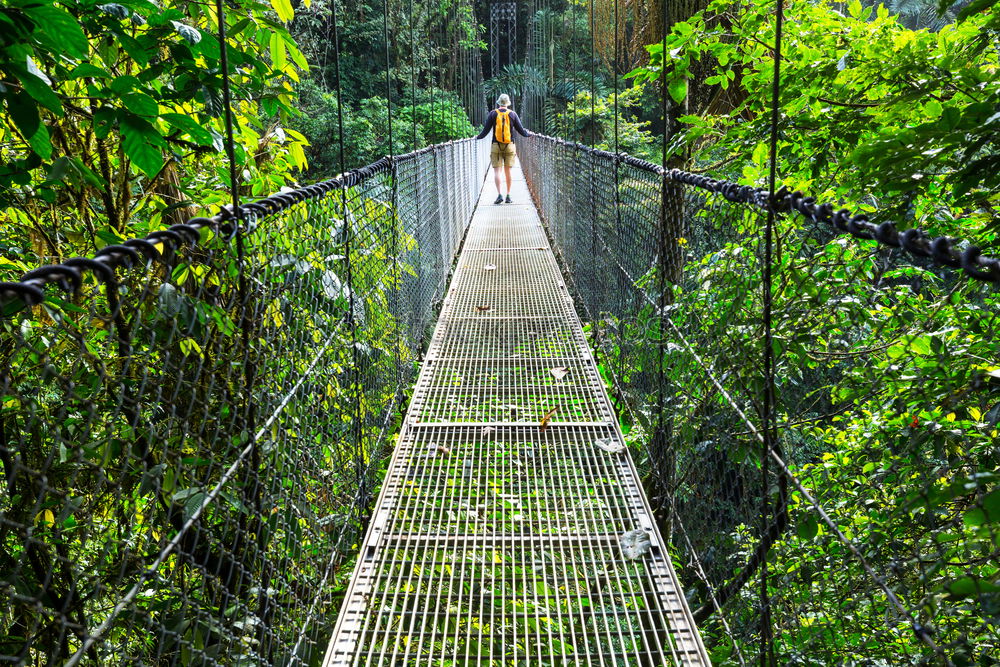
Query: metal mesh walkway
[497,541]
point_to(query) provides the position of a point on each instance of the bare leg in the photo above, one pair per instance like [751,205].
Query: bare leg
[496,179]
[507,172]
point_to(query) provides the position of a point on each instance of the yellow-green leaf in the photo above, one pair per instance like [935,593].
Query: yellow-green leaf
[278,59]
[284,9]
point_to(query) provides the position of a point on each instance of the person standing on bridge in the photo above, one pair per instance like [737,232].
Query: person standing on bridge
[501,122]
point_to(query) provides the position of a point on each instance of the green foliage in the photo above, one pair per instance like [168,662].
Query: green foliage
[366,127]
[130,451]
[903,121]
[113,116]
[586,119]
[441,29]
[887,389]
[130,410]
[442,119]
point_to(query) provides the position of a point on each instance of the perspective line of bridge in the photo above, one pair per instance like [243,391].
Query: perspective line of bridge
[512,527]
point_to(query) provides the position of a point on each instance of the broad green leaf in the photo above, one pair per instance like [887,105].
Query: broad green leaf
[23,111]
[119,11]
[193,504]
[189,126]
[38,85]
[41,143]
[140,104]
[970,587]
[88,70]
[297,155]
[142,144]
[125,83]
[297,57]
[807,527]
[987,512]
[678,89]
[277,45]
[191,35]
[58,30]
[284,9]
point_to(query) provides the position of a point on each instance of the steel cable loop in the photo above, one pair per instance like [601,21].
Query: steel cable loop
[942,250]
[128,254]
[30,294]
[31,284]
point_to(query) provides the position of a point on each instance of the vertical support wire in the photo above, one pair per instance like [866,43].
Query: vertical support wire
[614,78]
[766,648]
[659,441]
[354,379]
[246,320]
[593,86]
[413,81]
[616,166]
[247,428]
[395,220]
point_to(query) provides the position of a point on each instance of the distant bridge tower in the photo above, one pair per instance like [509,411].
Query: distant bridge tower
[503,34]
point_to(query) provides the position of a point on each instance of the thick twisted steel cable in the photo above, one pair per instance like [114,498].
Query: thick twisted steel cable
[68,275]
[942,250]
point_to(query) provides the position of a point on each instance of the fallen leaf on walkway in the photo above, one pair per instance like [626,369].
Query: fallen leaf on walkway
[546,419]
[635,543]
[482,309]
[490,267]
[559,372]
[610,446]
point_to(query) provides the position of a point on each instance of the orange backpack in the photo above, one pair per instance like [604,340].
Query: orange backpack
[502,127]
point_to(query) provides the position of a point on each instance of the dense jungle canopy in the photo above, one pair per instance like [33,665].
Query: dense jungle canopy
[112,111]
[113,126]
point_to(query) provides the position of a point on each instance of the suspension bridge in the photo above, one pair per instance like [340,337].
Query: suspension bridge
[378,420]
[512,526]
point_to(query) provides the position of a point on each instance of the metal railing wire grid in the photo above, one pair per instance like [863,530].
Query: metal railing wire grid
[501,533]
[884,353]
[173,495]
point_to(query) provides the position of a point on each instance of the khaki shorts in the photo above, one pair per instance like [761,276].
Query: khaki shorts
[503,154]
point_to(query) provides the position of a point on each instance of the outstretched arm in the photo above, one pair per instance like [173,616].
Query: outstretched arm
[515,121]
[488,125]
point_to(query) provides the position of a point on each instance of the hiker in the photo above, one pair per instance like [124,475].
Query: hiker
[499,122]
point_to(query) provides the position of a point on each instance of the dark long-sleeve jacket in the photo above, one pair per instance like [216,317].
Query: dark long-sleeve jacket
[491,122]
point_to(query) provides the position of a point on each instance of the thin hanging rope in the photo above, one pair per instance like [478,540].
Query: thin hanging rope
[593,79]
[359,462]
[614,76]
[388,74]
[413,81]
[769,430]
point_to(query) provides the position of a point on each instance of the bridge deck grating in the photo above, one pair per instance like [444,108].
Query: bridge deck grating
[495,541]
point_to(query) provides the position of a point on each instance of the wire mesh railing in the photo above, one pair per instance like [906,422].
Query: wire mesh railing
[860,527]
[193,426]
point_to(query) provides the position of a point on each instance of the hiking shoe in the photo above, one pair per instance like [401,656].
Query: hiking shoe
[508,200]
[499,199]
